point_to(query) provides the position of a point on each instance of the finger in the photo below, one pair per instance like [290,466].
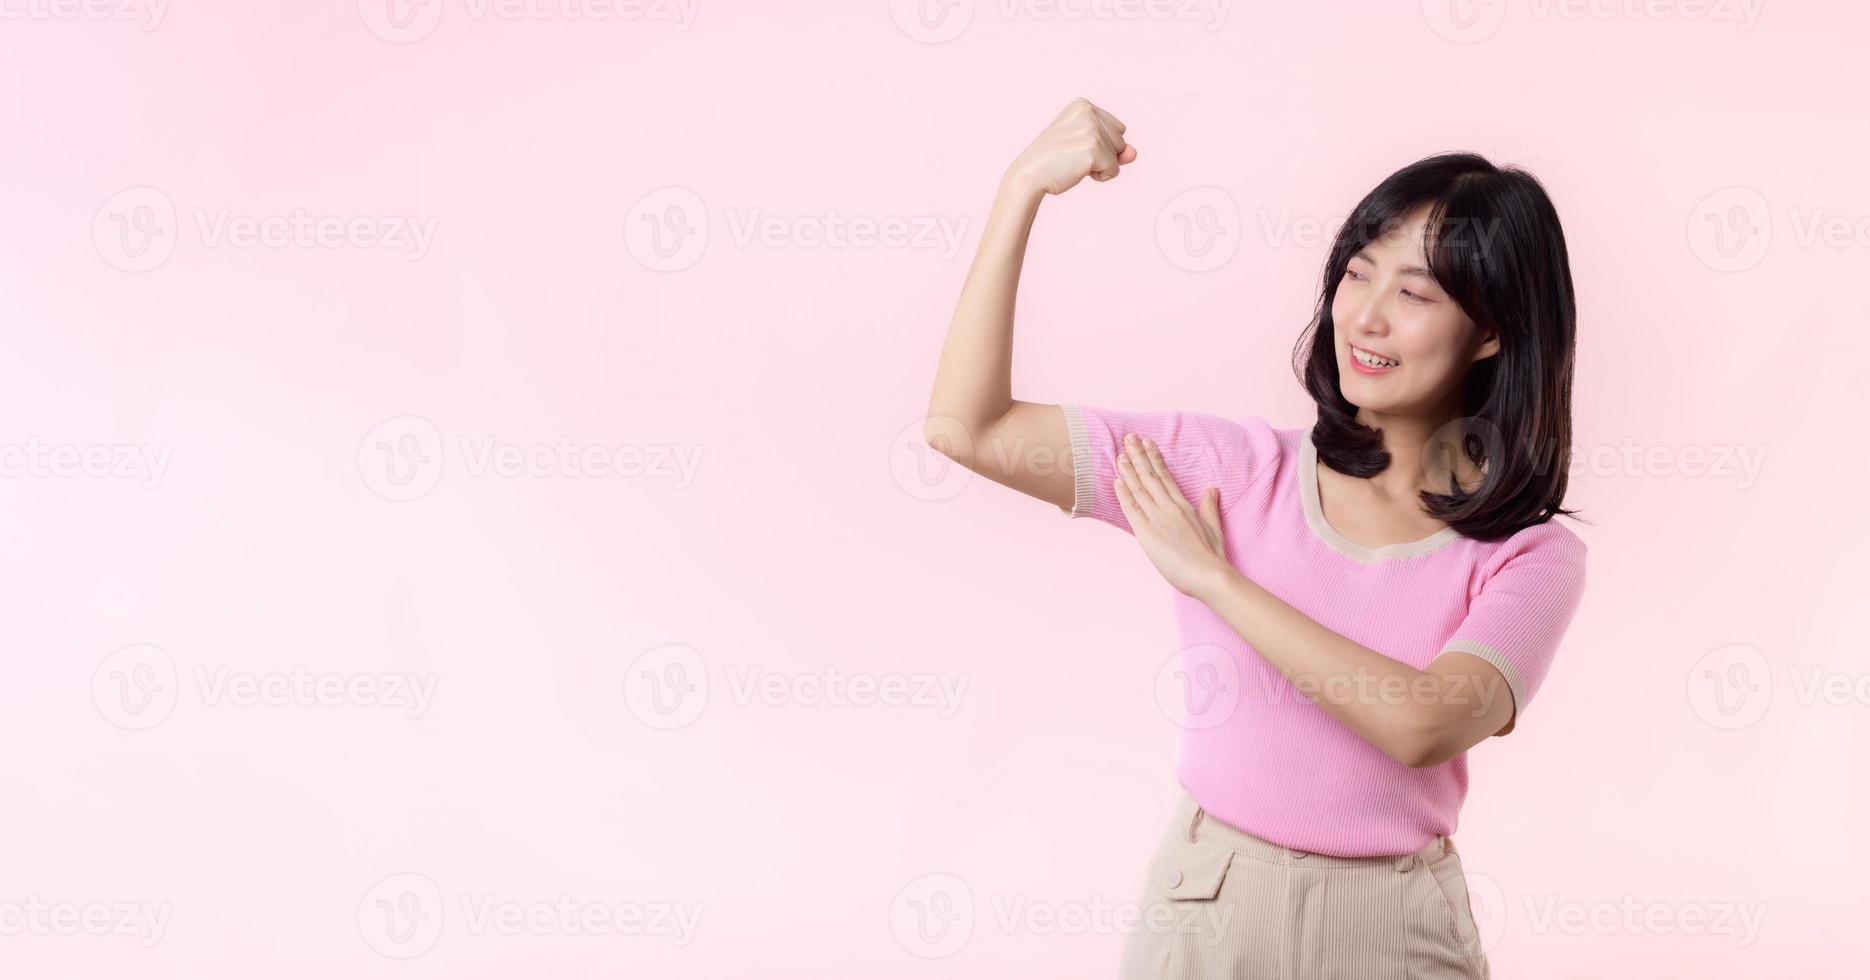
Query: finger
[1160,469]
[1116,125]
[1109,151]
[1126,502]
[1211,510]
[1110,144]
[1107,166]
[1146,474]
[1130,479]
[1108,132]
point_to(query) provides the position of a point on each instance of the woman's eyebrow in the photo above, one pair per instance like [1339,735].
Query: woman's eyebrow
[1407,270]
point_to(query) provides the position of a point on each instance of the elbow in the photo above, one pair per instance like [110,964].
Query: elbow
[952,437]
[939,434]
[1416,755]
[1426,757]
[1420,742]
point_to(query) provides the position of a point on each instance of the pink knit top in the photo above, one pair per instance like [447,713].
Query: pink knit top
[1256,753]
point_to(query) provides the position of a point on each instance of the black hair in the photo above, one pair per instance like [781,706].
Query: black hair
[1493,242]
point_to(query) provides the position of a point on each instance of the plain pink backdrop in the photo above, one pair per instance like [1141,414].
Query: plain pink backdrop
[641,246]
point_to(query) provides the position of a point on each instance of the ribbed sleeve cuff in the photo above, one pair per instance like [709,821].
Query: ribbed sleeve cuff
[1506,668]
[1083,476]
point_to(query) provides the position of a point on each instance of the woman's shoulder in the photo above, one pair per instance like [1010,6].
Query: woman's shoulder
[1275,435]
[1549,544]
[1550,536]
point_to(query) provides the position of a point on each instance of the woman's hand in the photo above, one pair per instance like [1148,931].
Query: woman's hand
[1183,542]
[1083,141]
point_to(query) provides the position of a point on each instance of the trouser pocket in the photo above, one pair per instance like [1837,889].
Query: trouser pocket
[1453,909]
[1186,925]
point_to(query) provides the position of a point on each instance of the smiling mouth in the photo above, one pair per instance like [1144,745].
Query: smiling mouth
[1368,359]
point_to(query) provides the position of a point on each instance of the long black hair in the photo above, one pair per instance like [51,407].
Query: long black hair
[1493,242]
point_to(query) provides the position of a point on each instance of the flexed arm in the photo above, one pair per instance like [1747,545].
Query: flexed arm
[972,415]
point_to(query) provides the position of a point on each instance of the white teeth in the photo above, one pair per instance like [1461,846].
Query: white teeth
[1371,360]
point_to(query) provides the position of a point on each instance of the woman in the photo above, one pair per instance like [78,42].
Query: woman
[1361,600]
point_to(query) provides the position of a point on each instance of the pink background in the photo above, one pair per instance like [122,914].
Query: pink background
[1675,759]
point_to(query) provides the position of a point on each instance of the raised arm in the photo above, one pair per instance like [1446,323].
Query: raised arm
[973,417]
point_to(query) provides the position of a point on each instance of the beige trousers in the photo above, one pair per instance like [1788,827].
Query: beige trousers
[1223,904]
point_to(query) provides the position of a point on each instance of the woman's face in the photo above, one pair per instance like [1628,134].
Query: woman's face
[1388,305]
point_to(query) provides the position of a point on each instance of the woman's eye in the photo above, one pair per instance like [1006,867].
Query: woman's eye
[1353,273]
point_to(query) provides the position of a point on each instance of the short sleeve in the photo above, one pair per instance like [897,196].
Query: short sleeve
[1524,608]
[1201,450]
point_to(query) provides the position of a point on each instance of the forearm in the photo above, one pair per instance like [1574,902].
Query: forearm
[973,382]
[1384,701]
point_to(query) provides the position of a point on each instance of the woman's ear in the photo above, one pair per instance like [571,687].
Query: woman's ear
[1489,346]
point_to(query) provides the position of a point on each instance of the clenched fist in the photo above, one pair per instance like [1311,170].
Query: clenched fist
[1083,140]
